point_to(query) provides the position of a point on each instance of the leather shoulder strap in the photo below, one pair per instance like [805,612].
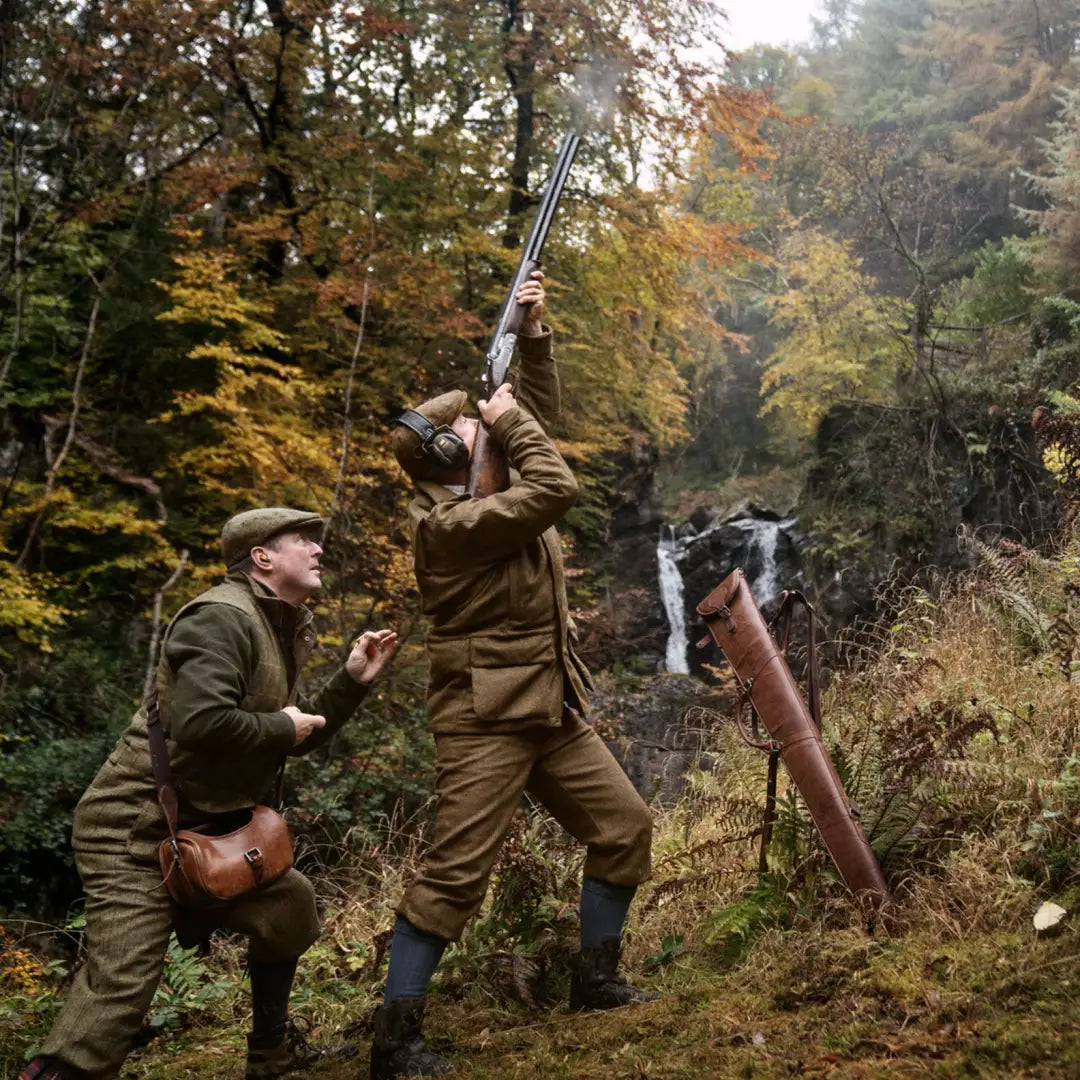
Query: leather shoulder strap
[159,759]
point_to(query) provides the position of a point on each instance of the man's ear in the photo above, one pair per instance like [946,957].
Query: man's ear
[261,559]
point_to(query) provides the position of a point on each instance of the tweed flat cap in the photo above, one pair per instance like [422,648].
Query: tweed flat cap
[251,528]
[444,409]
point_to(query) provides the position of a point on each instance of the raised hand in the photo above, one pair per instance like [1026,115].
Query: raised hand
[371,652]
[501,401]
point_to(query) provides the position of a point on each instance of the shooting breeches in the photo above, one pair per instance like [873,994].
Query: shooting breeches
[128,922]
[479,780]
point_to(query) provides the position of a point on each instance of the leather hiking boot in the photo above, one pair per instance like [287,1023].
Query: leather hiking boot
[291,1053]
[595,984]
[399,1048]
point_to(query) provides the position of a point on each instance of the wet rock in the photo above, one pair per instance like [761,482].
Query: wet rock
[767,546]
[702,518]
[659,730]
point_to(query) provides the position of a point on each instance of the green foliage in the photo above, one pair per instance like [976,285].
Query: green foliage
[521,941]
[189,987]
[734,928]
[999,290]
[671,947]
[1051,848]
[342,796]
[841,342]
[58,730]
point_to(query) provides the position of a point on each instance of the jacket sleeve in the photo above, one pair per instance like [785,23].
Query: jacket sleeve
[337,701]
[467,531]
[536,379]
[211,650]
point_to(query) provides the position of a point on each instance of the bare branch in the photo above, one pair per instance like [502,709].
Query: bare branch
[155,623]
[76,403]
[102,457]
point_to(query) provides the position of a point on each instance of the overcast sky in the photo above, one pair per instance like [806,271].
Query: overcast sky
[774,22]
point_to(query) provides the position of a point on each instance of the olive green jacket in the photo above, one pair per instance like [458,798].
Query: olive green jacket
[229,664]
[490,573]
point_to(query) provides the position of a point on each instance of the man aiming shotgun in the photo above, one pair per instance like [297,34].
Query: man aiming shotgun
[508,695]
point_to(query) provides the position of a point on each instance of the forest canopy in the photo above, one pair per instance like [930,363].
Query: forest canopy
[237,236]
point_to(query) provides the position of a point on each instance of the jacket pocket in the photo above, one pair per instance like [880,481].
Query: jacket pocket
[148,830]
[516,678]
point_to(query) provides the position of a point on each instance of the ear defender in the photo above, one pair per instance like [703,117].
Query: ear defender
[442,443]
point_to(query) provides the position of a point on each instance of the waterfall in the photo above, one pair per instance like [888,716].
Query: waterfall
[761,568]
[671,592]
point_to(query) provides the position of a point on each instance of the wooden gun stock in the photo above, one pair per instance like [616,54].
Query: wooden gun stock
[489,471]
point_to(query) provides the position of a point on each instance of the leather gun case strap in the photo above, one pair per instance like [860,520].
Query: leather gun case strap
[736,625]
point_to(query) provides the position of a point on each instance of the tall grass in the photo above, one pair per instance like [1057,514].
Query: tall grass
[956,734]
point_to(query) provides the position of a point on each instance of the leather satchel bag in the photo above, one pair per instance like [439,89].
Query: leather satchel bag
[214,864]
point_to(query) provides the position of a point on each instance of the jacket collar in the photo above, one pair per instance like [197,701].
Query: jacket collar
[286,619]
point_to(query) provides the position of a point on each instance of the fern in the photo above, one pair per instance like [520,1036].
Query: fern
[735,927]
[1002,576]
[187,986]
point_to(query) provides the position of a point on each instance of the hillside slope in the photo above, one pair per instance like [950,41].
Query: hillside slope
[958,740]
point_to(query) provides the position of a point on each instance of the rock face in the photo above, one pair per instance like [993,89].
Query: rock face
[660,730]
[631,617]
[767,547]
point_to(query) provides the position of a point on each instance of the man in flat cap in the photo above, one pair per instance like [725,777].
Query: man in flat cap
[227,693]
[508,696]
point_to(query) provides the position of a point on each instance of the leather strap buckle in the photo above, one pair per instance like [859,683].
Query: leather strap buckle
[253,856]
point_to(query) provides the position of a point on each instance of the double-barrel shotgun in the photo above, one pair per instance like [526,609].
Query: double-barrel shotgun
[488,470]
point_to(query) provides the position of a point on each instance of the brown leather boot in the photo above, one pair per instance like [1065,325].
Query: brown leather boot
[595,984]
[291,1053]
[399,1048]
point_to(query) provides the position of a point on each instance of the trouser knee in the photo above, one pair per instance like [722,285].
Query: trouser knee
[624,855]
[439,911]
[281,920]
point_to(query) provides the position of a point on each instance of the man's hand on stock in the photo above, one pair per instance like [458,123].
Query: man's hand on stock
[500,402]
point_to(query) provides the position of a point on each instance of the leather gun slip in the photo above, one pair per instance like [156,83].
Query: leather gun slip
[736,625]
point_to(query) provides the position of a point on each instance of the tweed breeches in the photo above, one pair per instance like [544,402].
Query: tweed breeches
[128,922]
[479,781]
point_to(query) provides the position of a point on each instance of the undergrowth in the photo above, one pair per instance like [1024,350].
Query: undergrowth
[958,741]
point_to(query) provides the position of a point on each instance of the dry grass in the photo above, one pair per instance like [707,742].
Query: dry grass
[966,712]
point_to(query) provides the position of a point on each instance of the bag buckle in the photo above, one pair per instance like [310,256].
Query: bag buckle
[253,856]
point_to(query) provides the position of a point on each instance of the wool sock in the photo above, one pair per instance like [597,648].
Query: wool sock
[414,956]
[271,984]
[603,910]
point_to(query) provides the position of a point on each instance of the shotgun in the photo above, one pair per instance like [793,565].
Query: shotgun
[488,468]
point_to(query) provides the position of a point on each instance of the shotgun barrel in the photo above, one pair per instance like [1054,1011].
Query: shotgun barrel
[488,471]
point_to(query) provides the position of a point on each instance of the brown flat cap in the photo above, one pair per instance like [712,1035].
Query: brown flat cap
[444,409]
[251,528]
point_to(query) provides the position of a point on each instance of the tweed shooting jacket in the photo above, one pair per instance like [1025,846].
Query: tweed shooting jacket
[229,664]
[490,574]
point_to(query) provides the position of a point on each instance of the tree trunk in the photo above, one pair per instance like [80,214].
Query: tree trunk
[520,50]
